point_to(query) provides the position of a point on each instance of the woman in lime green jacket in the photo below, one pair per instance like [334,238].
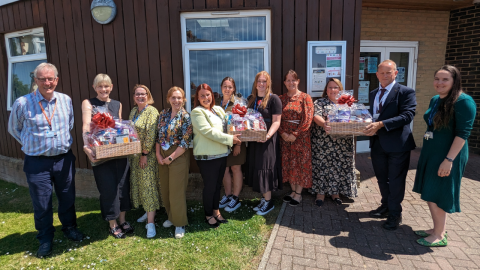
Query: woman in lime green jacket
[210,149]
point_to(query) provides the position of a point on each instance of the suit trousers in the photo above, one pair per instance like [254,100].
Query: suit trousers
[391,170]
[113,183]
[173,186]
[43,174]
[212,172]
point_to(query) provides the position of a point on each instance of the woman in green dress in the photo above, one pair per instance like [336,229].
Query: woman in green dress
[444,154]
[144,184]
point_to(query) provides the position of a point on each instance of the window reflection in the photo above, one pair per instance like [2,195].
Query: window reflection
[22,78]
[211,66]
[226,29]
[29,44]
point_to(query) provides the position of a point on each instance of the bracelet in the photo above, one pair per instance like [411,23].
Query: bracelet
[449,159]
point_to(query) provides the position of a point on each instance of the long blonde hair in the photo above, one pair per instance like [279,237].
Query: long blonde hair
[268,90]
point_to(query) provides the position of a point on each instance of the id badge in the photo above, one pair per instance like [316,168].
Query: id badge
[50,134]
[428,135]
[375,116]
[165,146]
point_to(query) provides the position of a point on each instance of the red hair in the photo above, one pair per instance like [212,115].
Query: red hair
[203,86]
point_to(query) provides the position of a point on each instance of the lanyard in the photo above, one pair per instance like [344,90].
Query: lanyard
[226,106]
[45,114]
[255,105]
[135,117]
[377,102]
[165,132]
[432,113]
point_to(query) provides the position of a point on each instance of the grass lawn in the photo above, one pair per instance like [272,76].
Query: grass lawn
[236,245]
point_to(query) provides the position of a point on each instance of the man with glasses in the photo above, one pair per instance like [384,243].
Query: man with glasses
[41,122]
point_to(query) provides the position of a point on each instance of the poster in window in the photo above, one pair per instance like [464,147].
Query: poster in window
[363,89]
[325,50]
[334,72]
[319,79]
[334,60]
[361,72]
[372,64]
[401,74]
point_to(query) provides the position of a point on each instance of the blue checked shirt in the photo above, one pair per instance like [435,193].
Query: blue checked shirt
[28,125]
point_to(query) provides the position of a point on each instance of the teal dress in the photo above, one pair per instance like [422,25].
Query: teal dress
[445,191]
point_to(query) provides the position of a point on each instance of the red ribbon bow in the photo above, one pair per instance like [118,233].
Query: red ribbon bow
[103,120]
[240,110]
[346,99]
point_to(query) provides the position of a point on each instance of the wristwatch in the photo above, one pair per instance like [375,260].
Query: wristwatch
[143,154]
[170,158]
[449,159]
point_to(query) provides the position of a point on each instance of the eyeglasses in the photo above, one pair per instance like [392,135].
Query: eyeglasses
[46,79]
[140,94]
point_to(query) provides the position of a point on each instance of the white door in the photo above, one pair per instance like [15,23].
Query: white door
[403,53]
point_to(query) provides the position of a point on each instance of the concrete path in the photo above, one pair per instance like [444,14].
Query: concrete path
[344,237]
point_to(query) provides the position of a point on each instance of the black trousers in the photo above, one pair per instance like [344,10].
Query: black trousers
[391,170]
[43,174]
[113,184]
[212,172]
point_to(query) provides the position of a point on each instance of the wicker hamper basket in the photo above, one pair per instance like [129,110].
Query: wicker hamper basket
[117,150]
[250,135]
[350,128]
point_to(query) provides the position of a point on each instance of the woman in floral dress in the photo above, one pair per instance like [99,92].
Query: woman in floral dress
[332,159]
[144,184]
[297,114]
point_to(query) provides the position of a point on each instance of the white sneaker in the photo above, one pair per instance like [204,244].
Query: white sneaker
[179,232]
[151,232]
[143,218]
[167,224]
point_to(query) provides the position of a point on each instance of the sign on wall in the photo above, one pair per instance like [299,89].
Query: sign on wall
[325,59]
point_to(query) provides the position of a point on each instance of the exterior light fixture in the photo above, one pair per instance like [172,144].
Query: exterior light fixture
[103,11]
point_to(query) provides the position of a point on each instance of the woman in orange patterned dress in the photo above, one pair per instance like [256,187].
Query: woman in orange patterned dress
[297,115]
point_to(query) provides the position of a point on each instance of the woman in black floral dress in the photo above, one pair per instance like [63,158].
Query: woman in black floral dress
[333,160]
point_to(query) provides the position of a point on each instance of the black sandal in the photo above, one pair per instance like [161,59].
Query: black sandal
[294,202]
[127,230]
[319,202]
[223,221]
[214,225]
[287,198]
[117,232]
[338,201]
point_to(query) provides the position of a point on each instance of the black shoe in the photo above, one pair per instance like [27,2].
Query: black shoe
[287,198]
[266,208]
[126,230]
[318,203]
[380,212]
[338,201]
[44,250]
[117,232]
[392,222]
[214,225]
[73,234]
[223,221]
[234,204]
[225,201]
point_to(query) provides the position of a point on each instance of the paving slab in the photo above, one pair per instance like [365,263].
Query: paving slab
[345,237]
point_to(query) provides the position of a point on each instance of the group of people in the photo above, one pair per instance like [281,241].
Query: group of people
[298,149]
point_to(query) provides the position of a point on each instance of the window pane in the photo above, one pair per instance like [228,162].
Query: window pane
[226,29]
[22,78]
[29,44]
[212,66]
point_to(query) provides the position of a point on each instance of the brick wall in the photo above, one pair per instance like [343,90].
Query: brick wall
[463,51]
[430,29]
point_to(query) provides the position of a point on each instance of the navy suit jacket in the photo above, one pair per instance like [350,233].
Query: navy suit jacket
[397,113]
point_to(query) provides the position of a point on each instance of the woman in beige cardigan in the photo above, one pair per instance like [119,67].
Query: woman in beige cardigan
[210,149]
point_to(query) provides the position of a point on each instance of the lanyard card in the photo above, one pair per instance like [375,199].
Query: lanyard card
[50,134]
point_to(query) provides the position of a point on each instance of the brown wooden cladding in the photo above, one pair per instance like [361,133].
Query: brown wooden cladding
[143,45]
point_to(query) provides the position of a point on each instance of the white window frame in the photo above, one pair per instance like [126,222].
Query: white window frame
[20,58]
[229,45]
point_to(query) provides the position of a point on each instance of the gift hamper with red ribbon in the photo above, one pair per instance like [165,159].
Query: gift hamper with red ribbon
[248,123]
[109,138]
[347,117]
